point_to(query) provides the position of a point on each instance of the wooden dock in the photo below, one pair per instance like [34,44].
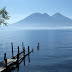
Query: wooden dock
[8,64]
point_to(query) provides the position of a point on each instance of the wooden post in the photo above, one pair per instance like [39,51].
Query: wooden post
[24,54]
[17,57]
[24,50]
[12,49]
[22,45]
[18,49]
[18,60]
[28,57]
[4,56]
[28,49]
[37,47]
[6,64]
[28,54]
[38,44]
[5,61]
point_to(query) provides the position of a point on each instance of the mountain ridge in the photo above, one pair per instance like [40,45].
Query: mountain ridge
[38,19]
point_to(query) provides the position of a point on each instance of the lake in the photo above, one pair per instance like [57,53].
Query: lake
[54,55]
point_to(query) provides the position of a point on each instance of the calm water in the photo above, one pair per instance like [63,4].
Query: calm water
[55,54]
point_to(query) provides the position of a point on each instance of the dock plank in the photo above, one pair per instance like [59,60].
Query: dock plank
[2,69]
[9,62]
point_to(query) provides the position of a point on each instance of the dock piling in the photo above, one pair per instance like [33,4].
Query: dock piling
[38,47]
[4,56]
[28,49]
[6,64]
[28,54]
[18,60]
[22,45]
[12,49]
[28,57]
[38,44]
[24,54]
[18,49]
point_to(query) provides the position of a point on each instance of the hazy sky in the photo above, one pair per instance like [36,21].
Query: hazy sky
[19,9]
